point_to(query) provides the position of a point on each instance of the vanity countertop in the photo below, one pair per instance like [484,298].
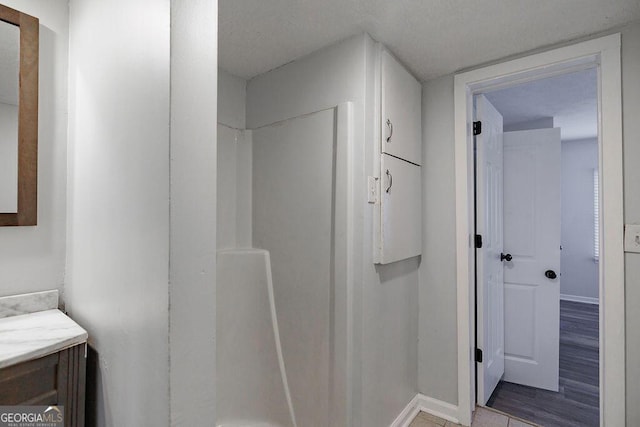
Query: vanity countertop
[32,335]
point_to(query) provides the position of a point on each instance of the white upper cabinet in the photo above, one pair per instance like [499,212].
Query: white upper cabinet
[401,131]
[398,219]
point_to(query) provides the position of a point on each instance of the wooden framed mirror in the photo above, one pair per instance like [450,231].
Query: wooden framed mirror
[19,50]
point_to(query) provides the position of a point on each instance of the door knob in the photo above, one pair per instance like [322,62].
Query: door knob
[550,274]
[508,257]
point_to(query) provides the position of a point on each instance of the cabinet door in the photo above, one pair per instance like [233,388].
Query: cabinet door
[401,205]
[401,120]
[57,379]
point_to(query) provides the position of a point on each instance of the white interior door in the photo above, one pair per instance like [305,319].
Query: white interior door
[532,237]
[490,286]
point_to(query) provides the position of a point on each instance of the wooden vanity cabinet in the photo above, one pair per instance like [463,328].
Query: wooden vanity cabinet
[57,379]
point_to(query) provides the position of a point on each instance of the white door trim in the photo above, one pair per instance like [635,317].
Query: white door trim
[603,52]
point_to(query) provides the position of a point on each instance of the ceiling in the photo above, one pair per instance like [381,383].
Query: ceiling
[571,99]
[432,37]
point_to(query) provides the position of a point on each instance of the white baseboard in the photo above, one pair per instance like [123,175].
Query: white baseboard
[576,298]
[408,414]
[424,403]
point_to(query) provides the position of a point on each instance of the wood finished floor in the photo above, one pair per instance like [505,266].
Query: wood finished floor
[577,402]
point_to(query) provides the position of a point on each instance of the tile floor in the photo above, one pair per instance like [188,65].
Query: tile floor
[482,417]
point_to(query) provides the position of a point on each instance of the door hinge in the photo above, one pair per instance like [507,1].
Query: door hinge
[478,355]
[477,128]
[478,241]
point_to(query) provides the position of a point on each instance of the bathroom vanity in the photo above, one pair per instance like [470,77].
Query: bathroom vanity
[42,355]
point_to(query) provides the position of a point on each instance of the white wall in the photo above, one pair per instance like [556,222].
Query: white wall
[118,239]
[9,158]
[384,310]
[315,82]
[441,93]
[543,123]
[631,130]
[192,290]
[232,100]
[152,328]
[33,258]
[438,364]
[579,269]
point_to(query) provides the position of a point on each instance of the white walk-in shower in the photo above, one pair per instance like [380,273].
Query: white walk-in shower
[281,308]
[255,388]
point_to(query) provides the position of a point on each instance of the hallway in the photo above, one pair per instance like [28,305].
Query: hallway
[577,402]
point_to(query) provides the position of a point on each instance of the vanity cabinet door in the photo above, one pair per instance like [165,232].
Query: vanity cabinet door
[56,379]
[401,119]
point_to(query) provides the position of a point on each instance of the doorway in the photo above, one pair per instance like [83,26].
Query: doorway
[537,270]
[604,54]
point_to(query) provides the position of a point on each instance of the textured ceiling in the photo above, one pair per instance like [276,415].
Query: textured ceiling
[432,37]
[571,99]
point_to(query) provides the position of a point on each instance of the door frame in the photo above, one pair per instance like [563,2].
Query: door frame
[603,53]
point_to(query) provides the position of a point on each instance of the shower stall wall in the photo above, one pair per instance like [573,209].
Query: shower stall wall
[293,310]
[252,384]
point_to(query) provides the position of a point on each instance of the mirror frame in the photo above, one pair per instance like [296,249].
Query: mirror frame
[27,118]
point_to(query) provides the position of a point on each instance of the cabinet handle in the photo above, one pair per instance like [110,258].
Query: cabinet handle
[390,126]
[390,178]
